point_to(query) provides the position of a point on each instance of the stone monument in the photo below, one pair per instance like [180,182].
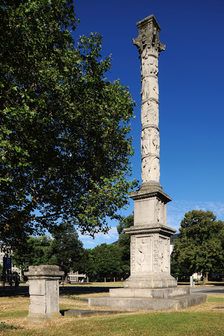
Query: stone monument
[150,285]
[44,292]
[150,236]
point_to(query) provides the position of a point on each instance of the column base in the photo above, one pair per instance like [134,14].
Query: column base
[151,281]
[140,303]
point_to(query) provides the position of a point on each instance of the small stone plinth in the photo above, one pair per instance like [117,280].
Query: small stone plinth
[44,292]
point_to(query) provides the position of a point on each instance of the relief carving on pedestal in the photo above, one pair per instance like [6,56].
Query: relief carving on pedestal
[161,254]
[150,113]
[159,212]
[150,169]
[143,254]
[164,254]
[132,256]
[156,266]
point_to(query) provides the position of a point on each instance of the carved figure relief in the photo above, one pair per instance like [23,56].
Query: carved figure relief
[133,249]
[159,212]
[155,141]
[150,169]
[156,266]
[143,254]
[150,88]
[150,113]
[149,66]
[145,141]
[149,51]
[150,141]
[164,255]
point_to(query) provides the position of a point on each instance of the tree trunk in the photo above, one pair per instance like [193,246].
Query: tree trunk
[206,277]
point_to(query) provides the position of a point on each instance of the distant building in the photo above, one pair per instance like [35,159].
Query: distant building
[74,277]
[6,251]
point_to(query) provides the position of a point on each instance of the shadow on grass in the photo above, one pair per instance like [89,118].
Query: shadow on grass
[65,290]
[14,291]
[72,290]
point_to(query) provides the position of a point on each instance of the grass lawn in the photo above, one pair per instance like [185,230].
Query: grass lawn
[204,320]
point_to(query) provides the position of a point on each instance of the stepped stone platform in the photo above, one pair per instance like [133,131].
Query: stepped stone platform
[149,299]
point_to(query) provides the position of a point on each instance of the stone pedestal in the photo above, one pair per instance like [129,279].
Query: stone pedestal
[150,285]
[44,292]
[150,240]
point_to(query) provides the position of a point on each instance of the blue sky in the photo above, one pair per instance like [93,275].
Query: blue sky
[191,83]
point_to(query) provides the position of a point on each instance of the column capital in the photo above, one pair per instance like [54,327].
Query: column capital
[148,37]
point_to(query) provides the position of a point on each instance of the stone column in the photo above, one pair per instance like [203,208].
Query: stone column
[150,237]
[44,292]
[150,285]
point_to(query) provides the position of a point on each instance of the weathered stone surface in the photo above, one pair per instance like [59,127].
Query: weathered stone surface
[148,39]
[150,257]
[84,313]
[139,303]
[44,292]
[150,281]
[150,293]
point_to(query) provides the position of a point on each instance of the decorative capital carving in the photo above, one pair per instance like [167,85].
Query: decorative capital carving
[148,37]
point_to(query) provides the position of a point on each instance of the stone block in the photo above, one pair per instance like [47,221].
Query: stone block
[44,292]
[139,303]
[149,293]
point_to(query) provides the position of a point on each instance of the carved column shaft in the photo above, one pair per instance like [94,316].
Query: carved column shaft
[149,47]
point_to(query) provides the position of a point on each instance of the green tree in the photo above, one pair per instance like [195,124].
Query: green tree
[66,248]
[124,243]
[86,263]
[200,244]
[64,144]
[104,261]
[34,251]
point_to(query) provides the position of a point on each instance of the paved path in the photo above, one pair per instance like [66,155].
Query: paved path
[208,289]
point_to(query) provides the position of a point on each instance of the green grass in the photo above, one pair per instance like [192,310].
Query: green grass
[4,326]
[154,324]
[215,299]
[14,314]
[203,320]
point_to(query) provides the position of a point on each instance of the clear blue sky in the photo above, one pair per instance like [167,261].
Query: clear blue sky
[191,82]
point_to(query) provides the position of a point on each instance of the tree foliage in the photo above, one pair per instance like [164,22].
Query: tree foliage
[35,251]
[109,261]
[200,244]
[63,249]
[104,261]
[64,145]
[66,248]
[124,243]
